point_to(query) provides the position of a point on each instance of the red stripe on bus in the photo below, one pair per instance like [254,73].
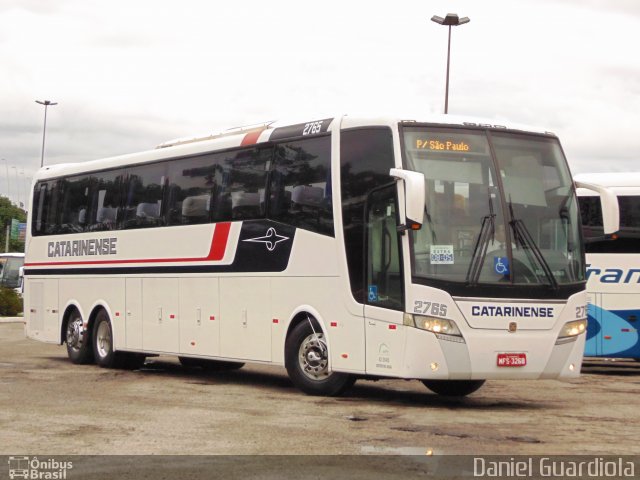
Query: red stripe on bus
[216,253]
[251,138]
[219,241]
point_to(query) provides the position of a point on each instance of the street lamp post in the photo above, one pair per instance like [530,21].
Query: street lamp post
[451,20]
[17,186]
[46,104]
[7,167]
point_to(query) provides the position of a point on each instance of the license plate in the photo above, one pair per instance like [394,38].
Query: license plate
[512,359]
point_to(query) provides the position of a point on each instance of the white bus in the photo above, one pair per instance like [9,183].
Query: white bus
[444,250]
[613,268]
[10,267]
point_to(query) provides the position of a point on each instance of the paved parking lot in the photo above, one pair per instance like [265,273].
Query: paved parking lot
[49,405]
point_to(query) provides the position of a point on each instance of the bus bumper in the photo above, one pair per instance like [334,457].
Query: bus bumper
[430,357]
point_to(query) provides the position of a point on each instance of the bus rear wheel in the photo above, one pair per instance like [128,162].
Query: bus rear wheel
[307,362]
[453,388]
[104,354]
[77,339]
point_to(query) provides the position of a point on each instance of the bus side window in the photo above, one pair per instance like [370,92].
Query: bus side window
[300,185]
[39,203]
[245,176]
[145,192]
[193,186]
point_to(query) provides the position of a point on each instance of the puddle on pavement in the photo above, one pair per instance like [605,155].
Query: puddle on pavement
[413,451]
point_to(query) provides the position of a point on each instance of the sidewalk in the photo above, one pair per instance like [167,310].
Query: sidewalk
[11,319]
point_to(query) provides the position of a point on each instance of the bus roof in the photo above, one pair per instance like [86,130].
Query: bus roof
[611,179]
[264,132]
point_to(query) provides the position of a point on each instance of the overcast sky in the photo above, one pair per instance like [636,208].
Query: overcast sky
[130,74]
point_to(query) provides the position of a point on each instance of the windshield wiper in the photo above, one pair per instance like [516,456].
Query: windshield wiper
[521,235]
[487,232]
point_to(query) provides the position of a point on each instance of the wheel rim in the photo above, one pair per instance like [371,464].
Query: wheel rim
[74,334]
[312,357]
[103,339]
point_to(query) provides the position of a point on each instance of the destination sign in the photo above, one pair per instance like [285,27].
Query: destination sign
[442,145]
[454,143]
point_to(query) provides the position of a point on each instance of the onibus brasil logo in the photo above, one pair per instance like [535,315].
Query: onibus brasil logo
[36,469]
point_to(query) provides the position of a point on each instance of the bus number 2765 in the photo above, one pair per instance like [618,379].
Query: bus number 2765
[312,128]
[429,308]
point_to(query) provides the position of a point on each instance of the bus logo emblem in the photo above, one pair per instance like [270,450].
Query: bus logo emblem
[270,240]
[513,326]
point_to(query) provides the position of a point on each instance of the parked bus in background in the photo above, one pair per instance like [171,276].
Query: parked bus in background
[613,268]
[338,248]
[10,267]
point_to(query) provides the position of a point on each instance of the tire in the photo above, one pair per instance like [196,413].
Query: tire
[307,362]
[103,343]
[209,365]
[78,340]
[453,388]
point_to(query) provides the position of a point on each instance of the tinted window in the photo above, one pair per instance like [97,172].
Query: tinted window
[244,176]
[628,238]
[300,188]
[366,155]
[75,203]
[106,200]
[194,186]
[46,202]
[143,201]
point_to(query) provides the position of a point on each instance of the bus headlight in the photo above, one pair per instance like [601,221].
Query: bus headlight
[435,325]
[573,329]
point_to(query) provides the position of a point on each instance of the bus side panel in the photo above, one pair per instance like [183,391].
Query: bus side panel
[620,325]
[321,297]
[133,316]
[200,316]
[41,310]
[245,318]
[88,294]
[161,313]
[43,321]
[593,345]
[613,280]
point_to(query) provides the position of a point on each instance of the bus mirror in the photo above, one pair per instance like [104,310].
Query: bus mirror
[414,198]
[609,204]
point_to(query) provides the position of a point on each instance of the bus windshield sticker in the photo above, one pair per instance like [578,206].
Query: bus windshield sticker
[441,255]
[501,266]
[373,293]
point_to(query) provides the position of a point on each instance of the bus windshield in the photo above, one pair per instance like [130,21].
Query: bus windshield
[10,270]
[500,209]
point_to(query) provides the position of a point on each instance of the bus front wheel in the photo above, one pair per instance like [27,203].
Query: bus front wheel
[307,362]
[453,388]
[77,339]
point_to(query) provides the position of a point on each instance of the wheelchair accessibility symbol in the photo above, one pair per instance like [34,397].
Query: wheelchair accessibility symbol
[373,293]
[501,265]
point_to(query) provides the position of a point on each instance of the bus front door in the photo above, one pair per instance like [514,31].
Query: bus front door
[384,305]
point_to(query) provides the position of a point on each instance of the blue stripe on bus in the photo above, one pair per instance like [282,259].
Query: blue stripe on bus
[611,333]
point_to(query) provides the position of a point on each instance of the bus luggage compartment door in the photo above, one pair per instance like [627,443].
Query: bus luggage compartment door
[160,311]
[42,303]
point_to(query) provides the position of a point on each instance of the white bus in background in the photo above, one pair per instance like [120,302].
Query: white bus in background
[613,268]
[444,250]
[10,270]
